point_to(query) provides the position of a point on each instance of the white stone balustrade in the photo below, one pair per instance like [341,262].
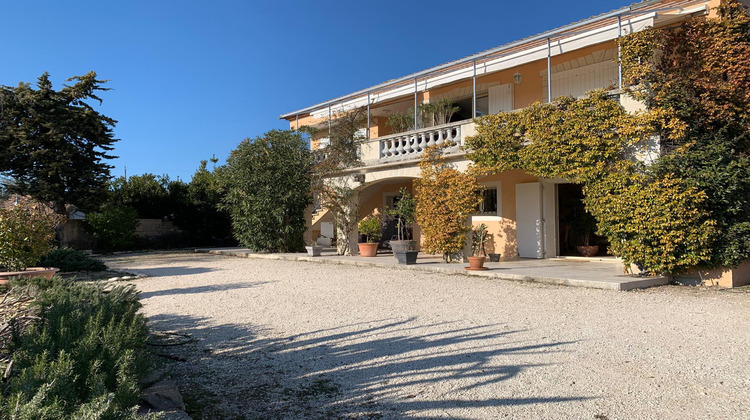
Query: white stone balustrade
[412,143]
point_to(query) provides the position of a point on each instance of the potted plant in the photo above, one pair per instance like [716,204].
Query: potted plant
[370,227]
[404,210]
[313,249]
[584,224]
[26,235]
[478,239]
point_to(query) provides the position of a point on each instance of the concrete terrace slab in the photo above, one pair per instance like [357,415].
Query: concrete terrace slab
[597,274]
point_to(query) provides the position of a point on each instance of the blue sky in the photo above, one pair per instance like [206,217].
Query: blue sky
[191,79]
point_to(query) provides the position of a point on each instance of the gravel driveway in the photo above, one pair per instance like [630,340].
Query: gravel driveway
[279,339]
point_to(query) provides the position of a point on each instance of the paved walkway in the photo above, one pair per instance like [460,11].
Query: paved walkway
[599,274]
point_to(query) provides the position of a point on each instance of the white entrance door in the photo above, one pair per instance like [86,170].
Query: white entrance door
[529,220]
[501,98]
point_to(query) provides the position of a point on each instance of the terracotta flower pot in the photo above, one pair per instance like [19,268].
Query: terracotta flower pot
[368,249]
[46,272]
[587,250]
[476,264]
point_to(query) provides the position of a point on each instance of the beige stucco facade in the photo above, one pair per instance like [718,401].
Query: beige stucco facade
[575,65]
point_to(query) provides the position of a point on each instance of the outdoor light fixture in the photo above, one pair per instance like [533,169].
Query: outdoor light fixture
[517,78]
[359,178]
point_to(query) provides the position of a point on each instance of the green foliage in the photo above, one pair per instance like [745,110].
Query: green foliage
[197,212]
[711,166]
[575,139]
[54,143]
[268,182]
[193,207]
[83,358]
[445,199]
[69,259]
[334,191]
[371,227]
[478,240]
[436,113]
[700,78]
[148,194]
[401,122]
[405,211]
[657,221]
[26,233]
[113,227]
[658,224]
[429,114]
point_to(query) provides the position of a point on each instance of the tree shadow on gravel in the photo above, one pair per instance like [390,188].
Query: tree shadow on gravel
[202,289]
[378,369]
[171,271]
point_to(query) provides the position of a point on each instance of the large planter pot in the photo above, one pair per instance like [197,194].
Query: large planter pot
[401,246]
[587,250]
[313,251]
[46,272]
[406,257]
[476,264]
[367,249]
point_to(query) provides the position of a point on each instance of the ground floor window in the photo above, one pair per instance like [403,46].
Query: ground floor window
[488,206]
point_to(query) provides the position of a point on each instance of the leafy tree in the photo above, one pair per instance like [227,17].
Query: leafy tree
[197,212]
[268,182]
[445,199]
[54,143]
[26,234]
[147,194]
[113,227]
[336,191]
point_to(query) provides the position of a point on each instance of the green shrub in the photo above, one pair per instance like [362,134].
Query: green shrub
[25,235]
[268,181]
[69,259]
[113,227]
[85,356]
[371,227]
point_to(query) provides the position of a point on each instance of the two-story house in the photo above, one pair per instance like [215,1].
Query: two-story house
[527,216]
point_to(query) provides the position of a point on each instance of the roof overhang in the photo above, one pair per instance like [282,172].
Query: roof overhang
[592,31]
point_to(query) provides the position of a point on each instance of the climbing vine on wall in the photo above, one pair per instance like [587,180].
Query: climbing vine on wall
[445,199]
[692,205]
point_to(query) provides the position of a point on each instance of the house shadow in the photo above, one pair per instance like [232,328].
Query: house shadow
[368,369]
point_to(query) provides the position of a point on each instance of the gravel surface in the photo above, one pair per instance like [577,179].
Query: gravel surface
[279,339]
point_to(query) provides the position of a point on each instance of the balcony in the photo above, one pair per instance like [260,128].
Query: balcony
[410,145]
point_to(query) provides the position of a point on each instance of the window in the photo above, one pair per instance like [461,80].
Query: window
[466,107]
[488,206]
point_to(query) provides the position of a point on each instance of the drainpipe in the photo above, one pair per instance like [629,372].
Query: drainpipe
[296,122]
[415,103]
[368,115]
[329,123]
[619,53]
[474,92]
[549,71]
[542,221]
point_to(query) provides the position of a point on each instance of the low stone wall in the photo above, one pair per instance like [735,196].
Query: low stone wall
[155,228]
[724,277]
